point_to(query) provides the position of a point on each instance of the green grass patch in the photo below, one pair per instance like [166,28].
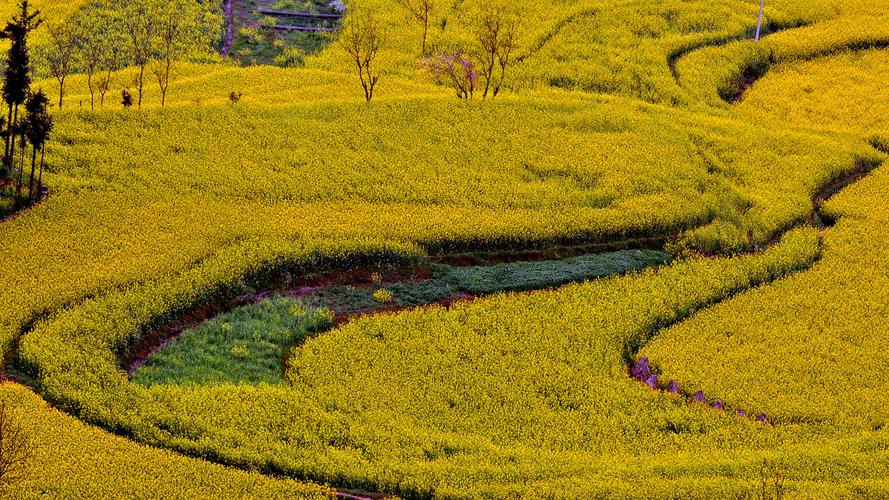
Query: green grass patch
[255,44]
[242,346]
[246,345]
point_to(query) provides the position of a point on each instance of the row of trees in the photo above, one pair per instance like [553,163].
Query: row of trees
[35,124]
[487,54]
[150,35]
[484,56]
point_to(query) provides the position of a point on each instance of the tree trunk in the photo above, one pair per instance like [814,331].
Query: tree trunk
[371,82]
[33,167]
[89,83]
[12,126]
[361,77]
[502,77]
[166,84]
[104,88]
[489,75]
[6,159]
[18,185]
[368,89]
[141,82]
[61,91]
[23,147]
[40,177]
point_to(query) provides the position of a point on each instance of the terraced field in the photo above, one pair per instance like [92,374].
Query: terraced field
[300,294]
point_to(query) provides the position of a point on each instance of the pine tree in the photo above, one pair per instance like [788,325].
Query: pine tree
[38,125]
[17,77]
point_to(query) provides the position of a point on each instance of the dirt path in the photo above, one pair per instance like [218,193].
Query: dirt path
[640,369]
[750,75]
[162,336]
[552,251]
[770,28]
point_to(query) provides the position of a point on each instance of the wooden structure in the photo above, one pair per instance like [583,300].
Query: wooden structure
[285,27]
[303,15]
[310,21]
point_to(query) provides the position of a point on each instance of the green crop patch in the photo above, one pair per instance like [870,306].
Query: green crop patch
[244,346]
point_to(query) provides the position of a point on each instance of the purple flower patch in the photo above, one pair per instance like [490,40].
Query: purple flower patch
[641,370]
[673,387]
[652,382]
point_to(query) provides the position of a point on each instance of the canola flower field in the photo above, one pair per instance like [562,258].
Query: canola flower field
[620,120]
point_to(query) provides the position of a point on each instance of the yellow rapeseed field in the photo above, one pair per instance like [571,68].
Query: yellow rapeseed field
[620,120]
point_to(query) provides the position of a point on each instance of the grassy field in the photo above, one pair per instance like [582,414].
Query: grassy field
[614,126]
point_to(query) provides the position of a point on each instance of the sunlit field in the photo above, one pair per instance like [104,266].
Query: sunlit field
[649,262]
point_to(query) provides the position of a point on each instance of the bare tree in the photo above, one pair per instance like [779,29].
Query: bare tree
[98,47]
[454,69]
[171,27]
[103,83]
[495,34]
[420,11]
[60,53]
[139,24]
[15,447]
[161,71]
[183,27]
[361,37]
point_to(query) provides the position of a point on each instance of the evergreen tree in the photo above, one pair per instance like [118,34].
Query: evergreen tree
[17,77]
[37,128]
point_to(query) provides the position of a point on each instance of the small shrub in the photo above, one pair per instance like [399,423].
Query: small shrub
[326,316]
[384,296]
[297,310]
[126,98]
[291,57]
[240,351]
[252,35]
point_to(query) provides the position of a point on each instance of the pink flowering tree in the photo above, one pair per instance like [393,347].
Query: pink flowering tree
[454,69]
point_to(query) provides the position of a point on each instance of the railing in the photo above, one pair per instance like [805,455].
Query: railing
[304,15]
[284,27]
[313,19]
